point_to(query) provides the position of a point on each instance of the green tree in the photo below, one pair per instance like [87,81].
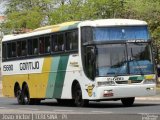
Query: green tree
[27,13]
[145,10]
[67,10]
[86,9]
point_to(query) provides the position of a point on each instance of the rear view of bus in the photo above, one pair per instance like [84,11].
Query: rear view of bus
[117,57]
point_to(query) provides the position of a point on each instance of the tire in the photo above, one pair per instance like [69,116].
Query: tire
[26,100]
[78,100]
[25,95]
[127,102]
[19,96]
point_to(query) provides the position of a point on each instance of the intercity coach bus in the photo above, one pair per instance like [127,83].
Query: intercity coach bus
[80,61]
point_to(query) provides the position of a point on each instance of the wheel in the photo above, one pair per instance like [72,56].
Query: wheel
[79,101]
[128,101]
[26,100]
[19,96]
[25,95]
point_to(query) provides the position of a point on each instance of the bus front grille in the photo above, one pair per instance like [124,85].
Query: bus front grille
[129,82]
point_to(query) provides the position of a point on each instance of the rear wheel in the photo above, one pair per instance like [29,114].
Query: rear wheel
[26,96]
[79,101]
[18,93]
[26,100]
[19,96]
[128,101]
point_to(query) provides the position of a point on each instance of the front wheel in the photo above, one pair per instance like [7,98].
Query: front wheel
[128,101]
[79,101]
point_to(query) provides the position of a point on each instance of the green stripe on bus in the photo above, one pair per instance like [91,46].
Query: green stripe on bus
[136,78]
[60,76]
[52,77]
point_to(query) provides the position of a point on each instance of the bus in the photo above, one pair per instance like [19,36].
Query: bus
[80,61]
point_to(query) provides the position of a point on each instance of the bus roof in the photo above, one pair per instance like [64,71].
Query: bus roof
[43,30]
[113,22]
[73,25]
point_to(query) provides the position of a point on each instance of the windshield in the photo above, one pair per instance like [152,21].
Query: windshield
[110,59]
[120,33]
[122,59]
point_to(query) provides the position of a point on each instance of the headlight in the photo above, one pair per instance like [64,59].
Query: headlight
[105,83]
[149,79]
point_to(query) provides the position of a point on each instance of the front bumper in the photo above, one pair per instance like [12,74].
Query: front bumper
[123,91]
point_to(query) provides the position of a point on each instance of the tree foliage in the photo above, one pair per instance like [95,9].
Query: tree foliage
[35,13]
[27,13]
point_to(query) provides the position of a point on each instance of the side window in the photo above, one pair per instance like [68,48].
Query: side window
[35,46]
[11,49]
[4,52]
[75,40]
[44,44]
[24,48]
[72,40]
[54,43]
[58,43]
[14,49]
[19,47]
[30,47]
[41,45]
[86,34]
[47,44]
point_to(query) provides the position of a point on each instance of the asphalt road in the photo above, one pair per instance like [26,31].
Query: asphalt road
[111,110]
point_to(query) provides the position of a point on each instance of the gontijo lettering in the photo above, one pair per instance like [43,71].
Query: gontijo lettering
[29,65]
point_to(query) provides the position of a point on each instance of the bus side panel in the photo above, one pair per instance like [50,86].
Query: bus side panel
[38,82]
[56,77]
[9,81]
[52,77]
[73,72]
